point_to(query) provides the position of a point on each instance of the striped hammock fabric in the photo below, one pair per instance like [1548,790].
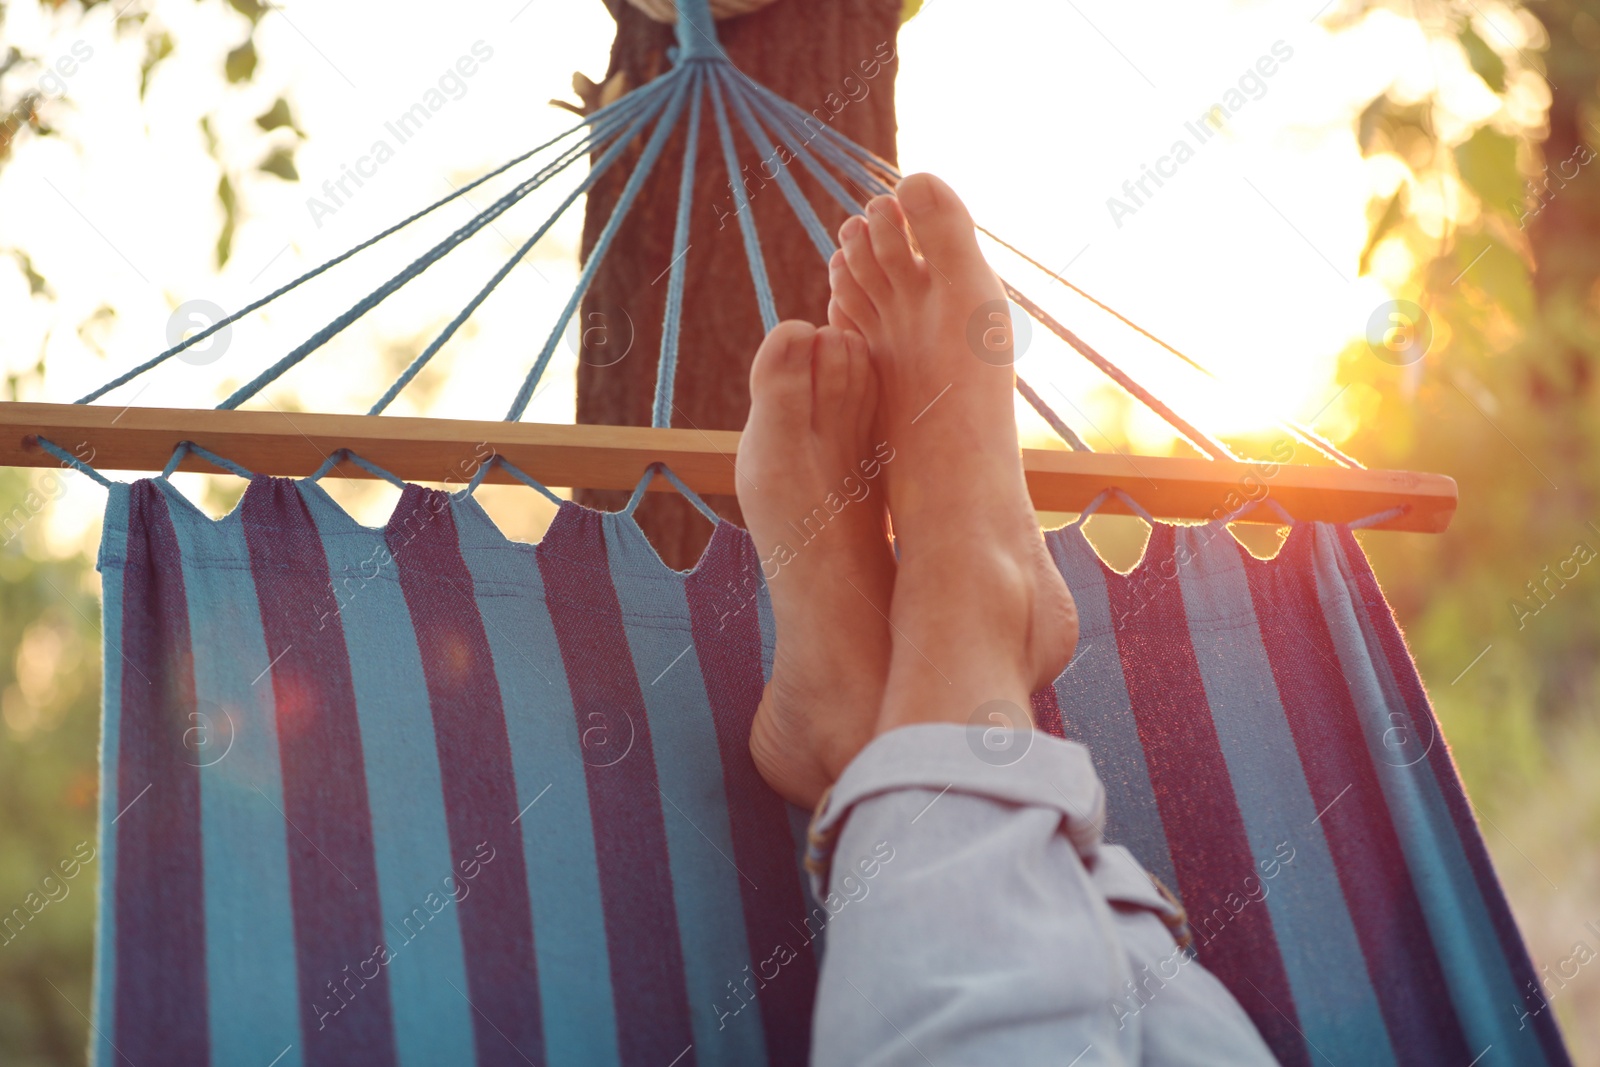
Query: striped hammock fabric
[422,795]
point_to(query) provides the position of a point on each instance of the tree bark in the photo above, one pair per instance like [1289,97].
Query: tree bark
[827,55]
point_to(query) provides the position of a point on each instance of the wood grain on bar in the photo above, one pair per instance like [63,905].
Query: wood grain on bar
[294,444]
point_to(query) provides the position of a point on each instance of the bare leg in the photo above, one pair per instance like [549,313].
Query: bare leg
[811,483]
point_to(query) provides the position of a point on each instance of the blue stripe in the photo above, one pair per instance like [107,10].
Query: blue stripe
[1096,712]
[249,918]
[411,843]
[1463,934]
[716,950]
[1316,936]
[580,1022]
[113,557]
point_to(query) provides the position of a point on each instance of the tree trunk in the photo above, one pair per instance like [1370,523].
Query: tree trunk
[828,55]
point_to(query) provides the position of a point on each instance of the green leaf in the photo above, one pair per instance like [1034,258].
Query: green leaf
[211,136]
[250,9]
[12,58]
[1386,123]
[1487,162]
[241,62]
[1486,62]
[37,286]
[156,49]
[1391,217]
[280,162]
[230,212]
[277,117]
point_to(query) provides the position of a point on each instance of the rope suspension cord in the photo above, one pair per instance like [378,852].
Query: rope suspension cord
[600,167]
[610,457]
[625,200]
[516,472]
[340,455]
[848,173]
[69,460]
[1306,434]
[1048,413]
[747,222]
[855,159]
[1196,437]
[791,191]
[672,317]
[666,11]
[186,447]
[665,471]
[833,142]
[608,117]
[416,267]
[798,147]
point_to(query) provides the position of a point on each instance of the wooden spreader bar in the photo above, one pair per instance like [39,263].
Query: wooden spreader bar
[294,444]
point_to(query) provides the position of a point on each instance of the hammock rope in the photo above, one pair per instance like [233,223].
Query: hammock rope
[597,255]
[340,455]
[672,318]
[1305,433]
[747,222]
[666,472]
[596,172]
[186,447]
[383,292]
[781,133]
[68,459]
[516,472]
[616,111]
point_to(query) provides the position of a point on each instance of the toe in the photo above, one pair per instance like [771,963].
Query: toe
[858,256]
[830,373]
[863,379]
[838,318]
[780,375]
[891,243]
[848,306]
[939,221]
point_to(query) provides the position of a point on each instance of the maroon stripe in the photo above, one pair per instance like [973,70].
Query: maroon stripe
[480,788]
[647,979]
[333,880]
[727,641]
[1189,775]
[161,1000]
[1366,852]
[1402,669]
[1047,711]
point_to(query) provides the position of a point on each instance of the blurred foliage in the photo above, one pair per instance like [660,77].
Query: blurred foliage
[29,111]
[49,728]
[49,612]
[1506,402]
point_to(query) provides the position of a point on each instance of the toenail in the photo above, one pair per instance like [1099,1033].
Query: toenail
[851,227]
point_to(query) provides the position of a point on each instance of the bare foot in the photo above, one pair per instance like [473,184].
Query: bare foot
[812,490]
[980,613]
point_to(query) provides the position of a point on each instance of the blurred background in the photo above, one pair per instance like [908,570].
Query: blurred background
[1394,237]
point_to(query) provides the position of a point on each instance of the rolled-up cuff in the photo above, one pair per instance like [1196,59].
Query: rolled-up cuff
[1026,768]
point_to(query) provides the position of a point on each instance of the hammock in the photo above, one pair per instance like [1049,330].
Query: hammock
[421,794]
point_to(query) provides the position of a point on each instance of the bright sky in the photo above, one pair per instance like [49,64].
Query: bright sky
[1037,112]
